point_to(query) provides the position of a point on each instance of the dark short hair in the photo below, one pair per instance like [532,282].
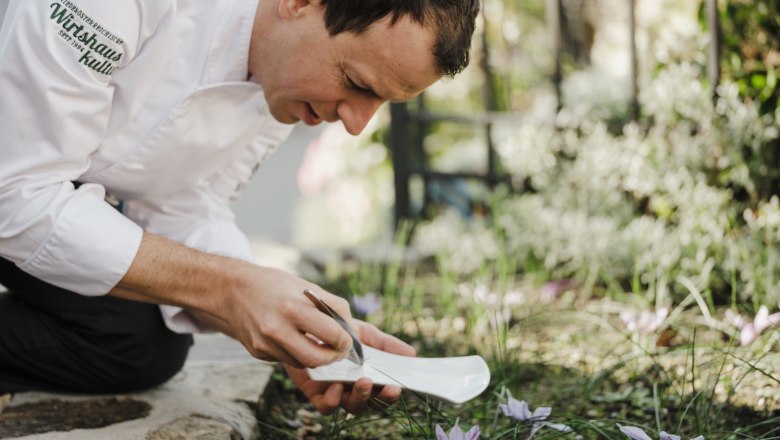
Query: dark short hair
[452,20]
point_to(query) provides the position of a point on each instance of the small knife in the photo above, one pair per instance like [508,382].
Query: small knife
[356,352]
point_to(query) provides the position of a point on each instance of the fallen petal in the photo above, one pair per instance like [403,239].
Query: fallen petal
[634,433]
[558,426]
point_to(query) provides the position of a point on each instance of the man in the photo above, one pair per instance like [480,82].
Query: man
[126,128]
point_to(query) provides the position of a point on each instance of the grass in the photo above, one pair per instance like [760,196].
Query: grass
[571,353]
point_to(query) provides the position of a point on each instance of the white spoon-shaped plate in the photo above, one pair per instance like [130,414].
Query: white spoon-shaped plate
[454,379]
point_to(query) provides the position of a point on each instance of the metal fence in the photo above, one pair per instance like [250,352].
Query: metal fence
[410,122]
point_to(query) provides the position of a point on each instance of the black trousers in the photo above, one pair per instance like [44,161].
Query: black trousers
[53,339]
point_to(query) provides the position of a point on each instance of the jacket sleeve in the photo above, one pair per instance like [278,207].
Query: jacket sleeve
[56,61]
[200,217]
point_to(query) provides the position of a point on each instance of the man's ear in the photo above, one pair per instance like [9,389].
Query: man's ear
[289,9]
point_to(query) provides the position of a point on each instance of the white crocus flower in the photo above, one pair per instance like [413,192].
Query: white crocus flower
[635,433]
[749,331]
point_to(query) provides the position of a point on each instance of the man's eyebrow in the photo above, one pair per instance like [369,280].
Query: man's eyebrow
[406,90]
[405,93]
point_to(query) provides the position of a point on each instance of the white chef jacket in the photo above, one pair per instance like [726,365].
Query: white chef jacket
[146,100]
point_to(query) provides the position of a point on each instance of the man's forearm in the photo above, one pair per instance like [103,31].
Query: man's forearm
[262,307]
[165,272]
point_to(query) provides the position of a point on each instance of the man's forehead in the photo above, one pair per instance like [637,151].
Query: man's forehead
[399,57]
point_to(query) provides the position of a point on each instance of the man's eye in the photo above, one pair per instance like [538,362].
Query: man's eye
[351,84]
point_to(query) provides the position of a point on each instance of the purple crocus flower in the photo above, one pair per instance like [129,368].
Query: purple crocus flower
[553,289]
[367,304]
[635,433]
[519,410]
[457,434]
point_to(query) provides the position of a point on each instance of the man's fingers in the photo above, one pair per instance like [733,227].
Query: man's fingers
[327,402]
[373,337]
[302,337]
[324,328]
[360,397]
[273,353]
[306,353]
[285,343]
[356,400]
[389,394]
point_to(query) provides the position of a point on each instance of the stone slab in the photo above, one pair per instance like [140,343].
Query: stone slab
[212,397]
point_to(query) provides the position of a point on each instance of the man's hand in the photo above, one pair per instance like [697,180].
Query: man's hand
[354,398]
[264,308]
[275,321]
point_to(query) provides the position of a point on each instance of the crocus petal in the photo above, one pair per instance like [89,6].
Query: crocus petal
[666,436]
[634,433]
[553,289]
[367,304]
[735,319]
[456,433]
[542,413]
[534,428]
[519,409]
[748,334]
[557,426]
[658,319]
[440,434]
[764,320]
[473,433]
[761,316]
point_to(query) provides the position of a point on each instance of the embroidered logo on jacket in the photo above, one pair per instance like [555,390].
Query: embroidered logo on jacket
[100,50]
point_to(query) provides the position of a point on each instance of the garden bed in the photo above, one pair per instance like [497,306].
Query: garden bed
[574,355]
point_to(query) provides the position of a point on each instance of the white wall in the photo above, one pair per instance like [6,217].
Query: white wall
[267,205]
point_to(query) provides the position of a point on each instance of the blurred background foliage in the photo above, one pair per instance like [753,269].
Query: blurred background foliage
[683,198]
[751,56]
[751,59]
[608,237]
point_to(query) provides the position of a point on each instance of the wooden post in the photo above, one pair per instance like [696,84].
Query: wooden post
[399,142]
[634,104]
[713,58]
[554,25]
[489,100]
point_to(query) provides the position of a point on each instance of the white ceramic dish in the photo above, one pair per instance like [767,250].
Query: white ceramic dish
[455,379]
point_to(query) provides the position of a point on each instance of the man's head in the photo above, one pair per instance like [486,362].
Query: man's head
[451,20]
[341,59]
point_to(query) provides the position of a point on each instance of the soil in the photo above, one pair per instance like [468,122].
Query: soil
[59,415]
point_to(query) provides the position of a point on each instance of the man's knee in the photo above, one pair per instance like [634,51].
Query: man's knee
[153,364]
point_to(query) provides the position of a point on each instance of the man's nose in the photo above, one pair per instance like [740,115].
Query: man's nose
[356,112]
